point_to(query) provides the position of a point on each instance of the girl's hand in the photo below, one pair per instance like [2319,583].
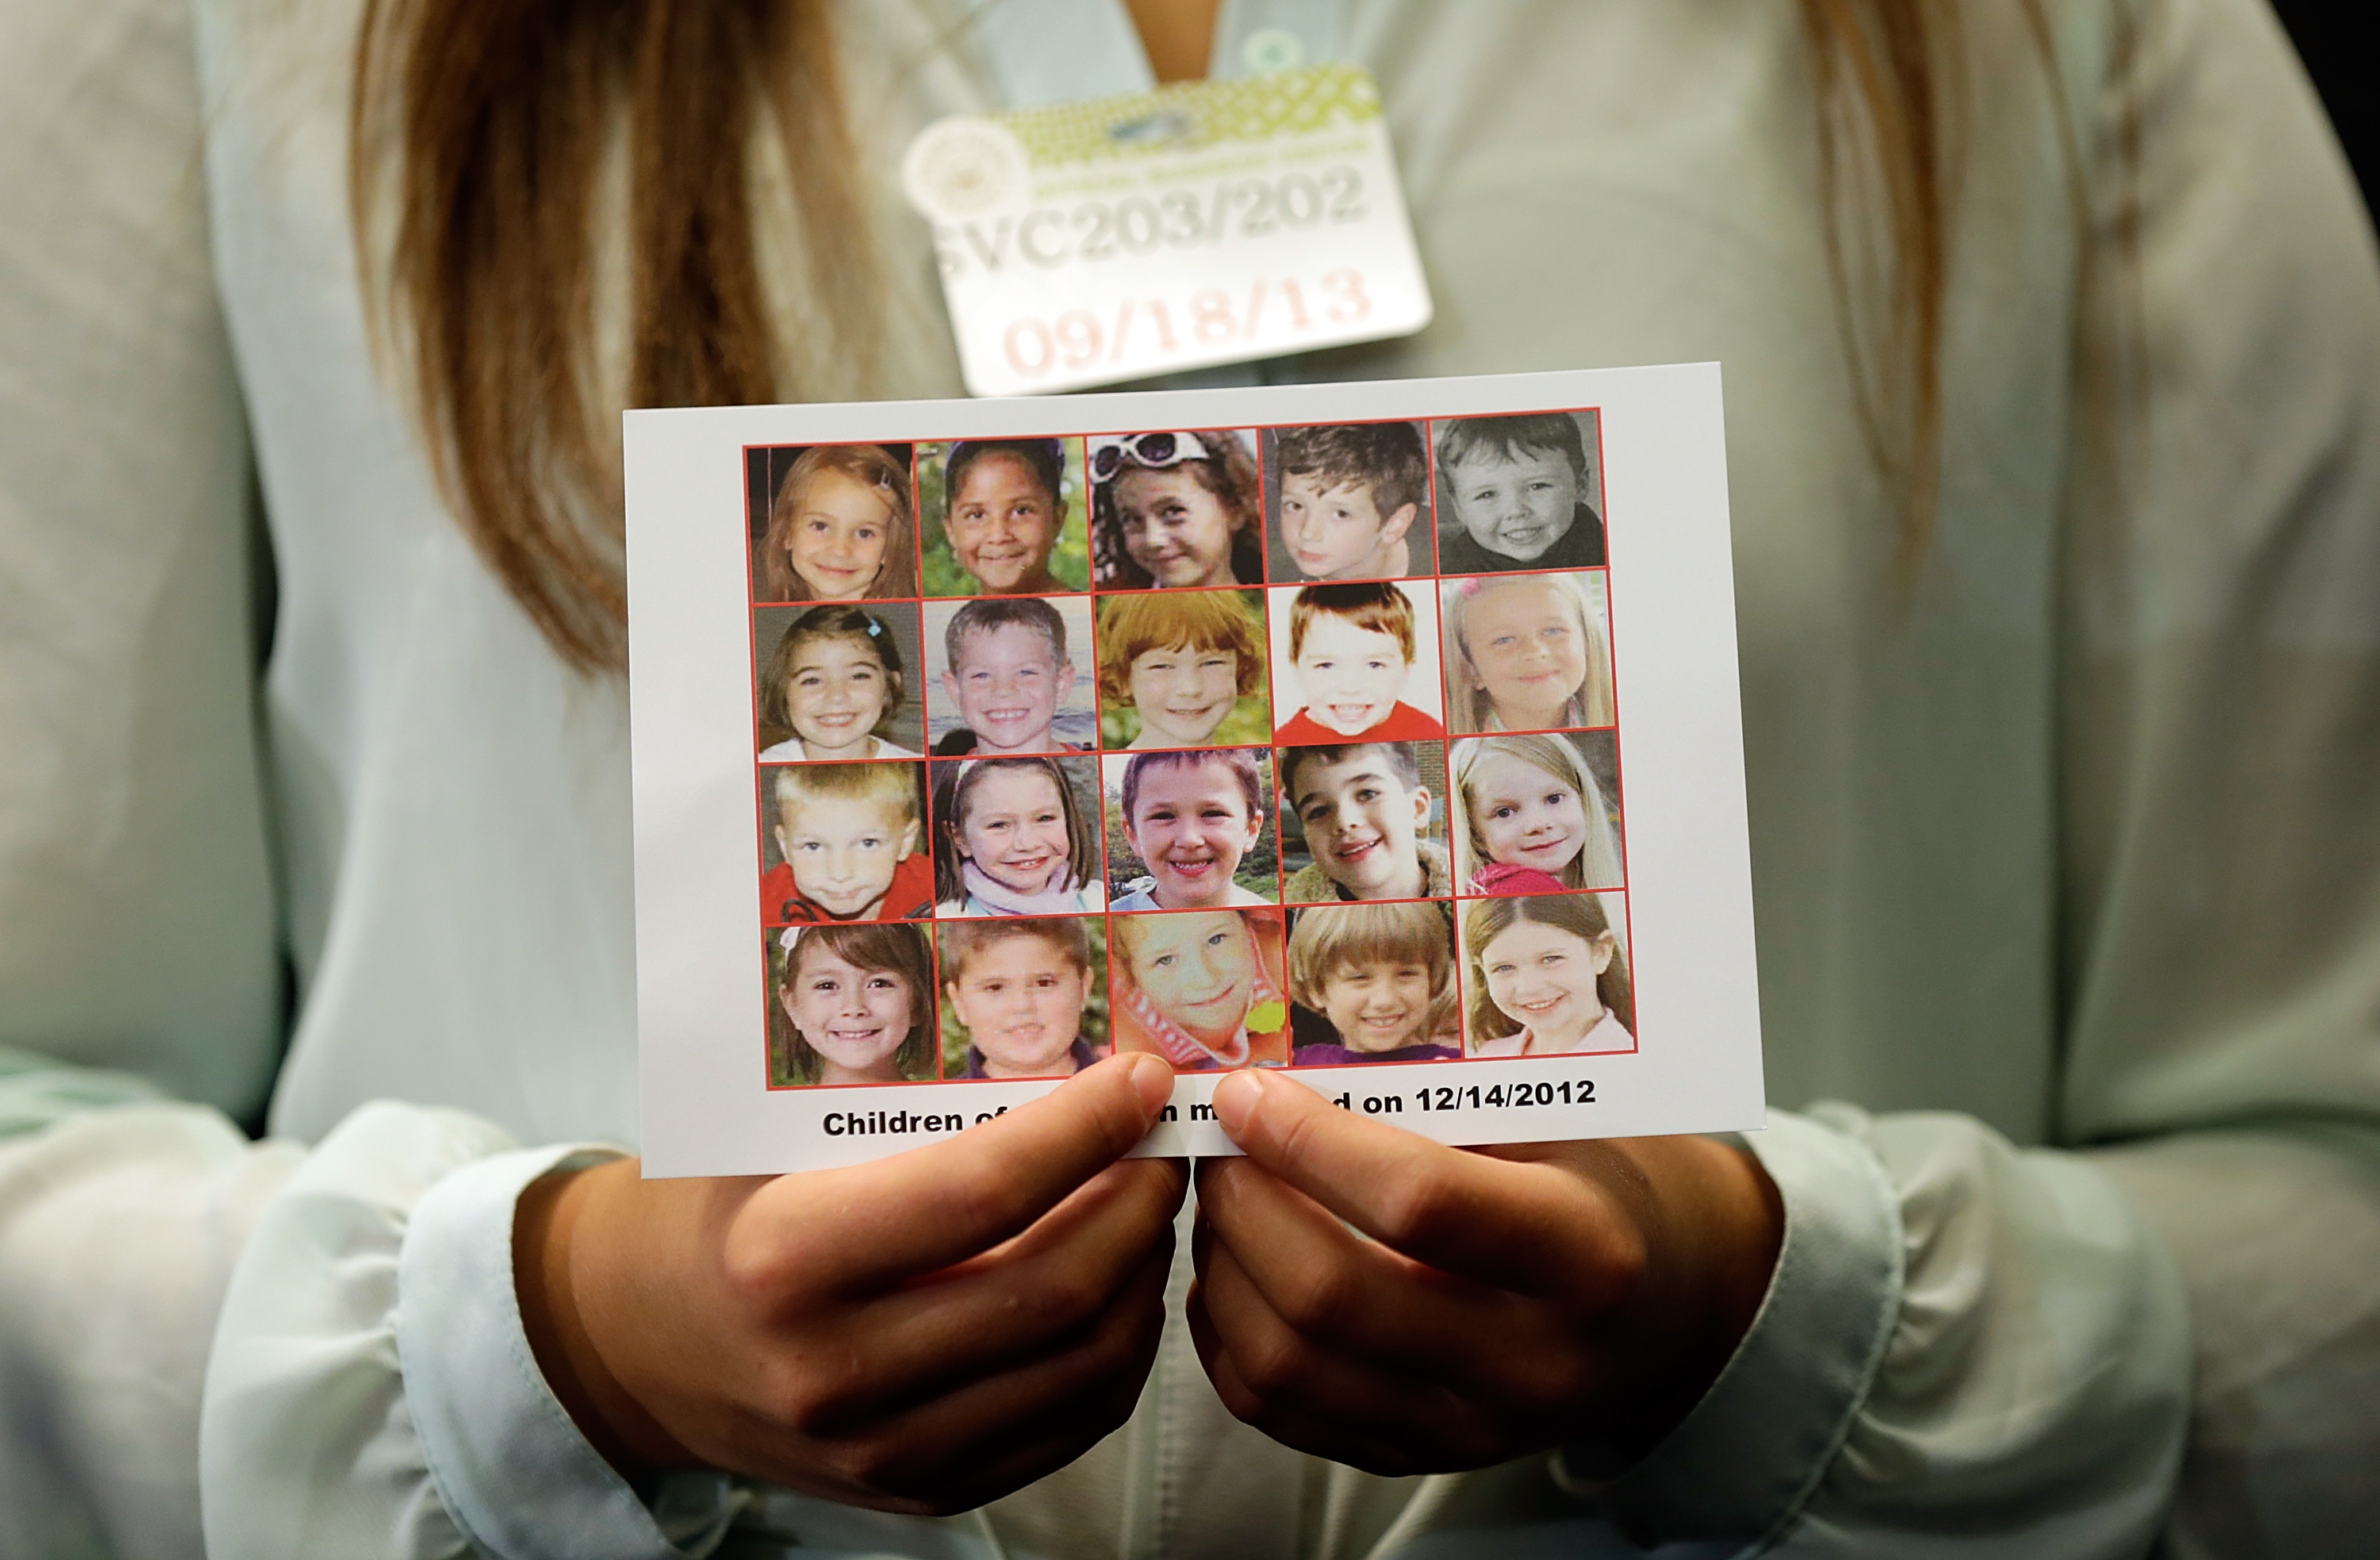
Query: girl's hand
[1509,1299]
[923,1333]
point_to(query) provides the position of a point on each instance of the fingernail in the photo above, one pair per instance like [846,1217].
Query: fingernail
[1154,1080]
[1235,1100]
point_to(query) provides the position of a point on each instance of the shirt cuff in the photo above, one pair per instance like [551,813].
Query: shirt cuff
[1741,1466]
[510,1466]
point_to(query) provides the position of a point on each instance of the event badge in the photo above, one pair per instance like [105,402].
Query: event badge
[1213,222]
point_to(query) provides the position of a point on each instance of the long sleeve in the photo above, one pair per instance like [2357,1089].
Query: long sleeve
[1975,1344]
[371,1391]
[118,1231]
[141,964]
[2224,737]
[2169,1342]
[138,955]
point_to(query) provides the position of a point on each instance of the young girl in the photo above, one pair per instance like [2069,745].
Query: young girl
[1524,653]
[1010,840]
[841,529]
[856,1005]
[1548,977]
[1175,510]
[1005,507]
[835,679]
[1200,988]
[1175,665]
[1529,817]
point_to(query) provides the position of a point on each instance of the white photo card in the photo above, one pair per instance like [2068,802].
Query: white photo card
[1386,734]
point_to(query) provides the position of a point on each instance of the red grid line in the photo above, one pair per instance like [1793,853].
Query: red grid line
[1432,581]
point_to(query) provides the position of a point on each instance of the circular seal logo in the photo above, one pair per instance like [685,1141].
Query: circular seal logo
[963,166]
[1268,49]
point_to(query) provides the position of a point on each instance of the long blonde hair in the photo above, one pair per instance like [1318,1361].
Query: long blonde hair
[1597,864]
[481,131]
[1469,708]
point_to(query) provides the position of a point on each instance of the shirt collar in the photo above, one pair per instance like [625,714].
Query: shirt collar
[1042,52]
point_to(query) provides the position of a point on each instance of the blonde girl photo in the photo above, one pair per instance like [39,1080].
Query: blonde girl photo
[1016,836]
[1203,989]
[854,1004]
[1529,817]
[1526,653]
[841,529]
[1548,976]
[835,680]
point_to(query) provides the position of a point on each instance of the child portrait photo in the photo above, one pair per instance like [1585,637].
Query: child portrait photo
[1204,989]
[1364,821]
[1023,998]
[1175,508]
[1373,983]
[831,522]
[1349,501]
[1003,517]
[844,842]
[1009,674]
[1527,652]
[1017,836]
[1183,669]
[1547,976]
[850,1004]
[1536,814]
[838,682]
[1522,492]
[1187,831]
[1355,663]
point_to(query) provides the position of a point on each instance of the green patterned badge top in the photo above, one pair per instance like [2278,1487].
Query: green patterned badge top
[1195,114]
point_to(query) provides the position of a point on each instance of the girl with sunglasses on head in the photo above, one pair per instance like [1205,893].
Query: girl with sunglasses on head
[1175,508]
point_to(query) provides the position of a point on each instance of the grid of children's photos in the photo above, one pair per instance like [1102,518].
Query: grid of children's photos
[1284,746]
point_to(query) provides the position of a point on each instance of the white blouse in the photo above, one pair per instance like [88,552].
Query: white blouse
[2065,856]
